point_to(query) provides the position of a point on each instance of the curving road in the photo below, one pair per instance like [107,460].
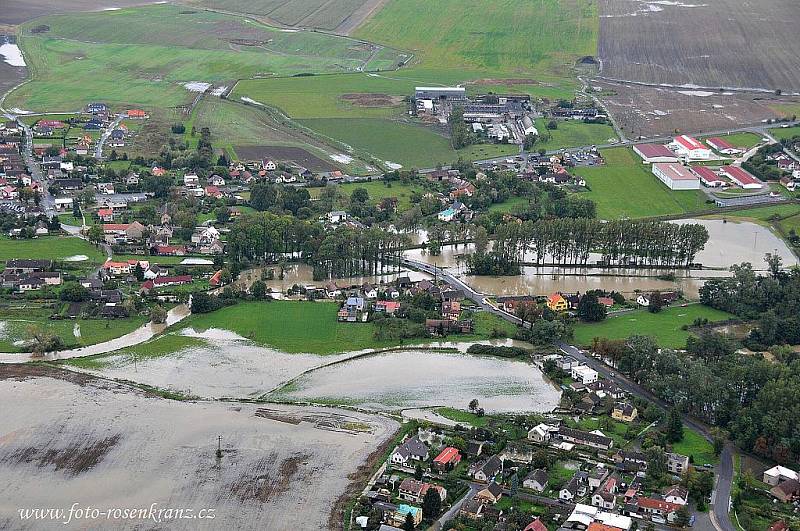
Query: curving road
[721,498]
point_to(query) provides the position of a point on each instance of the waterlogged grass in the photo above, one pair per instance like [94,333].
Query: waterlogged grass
[664,327]
[164,345]
[143,55]
[463,417]
[626,188]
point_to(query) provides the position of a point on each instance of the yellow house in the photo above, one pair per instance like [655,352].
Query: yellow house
[557,303]
[624,411]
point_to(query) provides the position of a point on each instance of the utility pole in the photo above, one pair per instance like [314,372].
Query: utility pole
[219,446]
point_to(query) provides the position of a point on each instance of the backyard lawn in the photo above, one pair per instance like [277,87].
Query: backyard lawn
[625,188]
[696,446]
[664,326]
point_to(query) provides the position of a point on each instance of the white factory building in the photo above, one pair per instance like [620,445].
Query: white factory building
[689,147]
[440,93]
[676,177]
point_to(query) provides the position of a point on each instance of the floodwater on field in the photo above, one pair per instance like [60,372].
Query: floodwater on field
[103,444]
[415,379]
[303,275]
[729,243]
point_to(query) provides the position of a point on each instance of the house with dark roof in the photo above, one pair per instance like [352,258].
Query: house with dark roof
[536,480]
[593,439]
[492,493]
[412,449]
[485,470]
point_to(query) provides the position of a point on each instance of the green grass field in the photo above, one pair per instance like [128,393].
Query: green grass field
[402,143]
[310,327]
[573,133]
[49,248]
[695,445]
[785,132]
[378,190]
[625,188]
[463,417]
[517,37]
[143,56]
[509,205]
[664,326]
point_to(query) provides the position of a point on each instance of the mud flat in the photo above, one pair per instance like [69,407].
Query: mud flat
[67,438]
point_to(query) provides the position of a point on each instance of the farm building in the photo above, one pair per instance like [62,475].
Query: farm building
[676,177]
[723,146]
[136,113]
[440,93]
[742,178]
[651,153]
[687,146]
[708,176]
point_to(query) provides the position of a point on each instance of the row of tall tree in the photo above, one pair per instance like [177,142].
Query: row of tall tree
[341,253]
[571,241]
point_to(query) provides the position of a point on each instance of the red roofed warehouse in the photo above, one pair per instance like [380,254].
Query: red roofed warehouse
[742,178]
[136,113]
[676,177]
[447,460]
[708,177]
[723,146]
[651,153]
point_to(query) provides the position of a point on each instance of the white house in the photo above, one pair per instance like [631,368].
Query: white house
[541,433]
[779,474]
[191,180]
[584,374]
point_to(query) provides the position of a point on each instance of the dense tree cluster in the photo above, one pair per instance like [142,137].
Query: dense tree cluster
[570,241]
[756,400]
[774,300]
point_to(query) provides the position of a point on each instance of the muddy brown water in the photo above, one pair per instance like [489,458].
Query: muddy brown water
[729,243]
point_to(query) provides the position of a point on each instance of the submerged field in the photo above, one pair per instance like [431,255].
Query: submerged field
[144,55]
[626,188]
[74,432]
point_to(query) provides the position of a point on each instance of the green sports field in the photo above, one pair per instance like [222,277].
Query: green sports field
[49,248]
[664,326]
[143,56]
[782,133]
[625,188]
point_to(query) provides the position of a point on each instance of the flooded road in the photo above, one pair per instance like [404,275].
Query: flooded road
[303,275]
[416,379]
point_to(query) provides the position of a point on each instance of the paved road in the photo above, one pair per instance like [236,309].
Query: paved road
[451,513]
[721,497]
[98,151]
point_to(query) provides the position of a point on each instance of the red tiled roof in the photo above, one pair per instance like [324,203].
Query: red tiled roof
[536,525]
[719,143]
[689,142]
[448,455]
[661,505]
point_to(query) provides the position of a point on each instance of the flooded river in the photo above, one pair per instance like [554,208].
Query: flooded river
[729,243]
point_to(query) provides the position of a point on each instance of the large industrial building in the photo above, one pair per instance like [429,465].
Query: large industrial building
[676,177]
[440,93]
[741,177]
[689,147]
[651,153]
